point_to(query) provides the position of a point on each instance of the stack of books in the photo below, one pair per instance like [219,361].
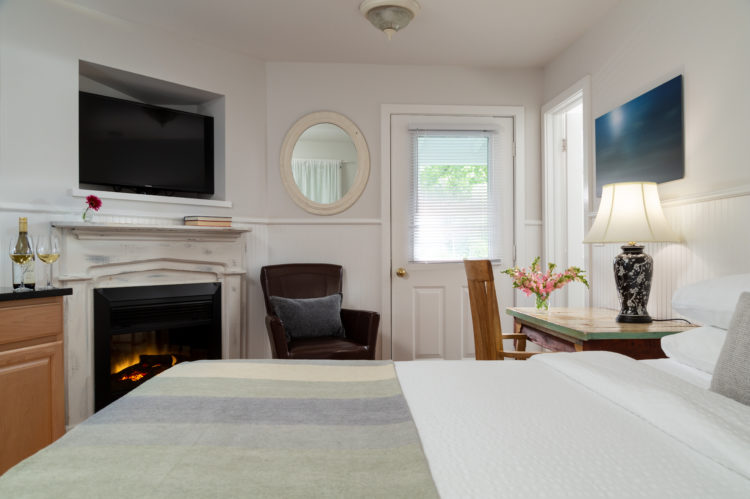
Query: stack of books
[208,221]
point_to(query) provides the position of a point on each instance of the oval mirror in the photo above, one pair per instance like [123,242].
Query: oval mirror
[325,163]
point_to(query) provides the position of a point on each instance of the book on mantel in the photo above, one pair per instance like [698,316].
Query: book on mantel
[208,221]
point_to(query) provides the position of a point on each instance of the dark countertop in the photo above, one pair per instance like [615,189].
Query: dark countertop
[7,294]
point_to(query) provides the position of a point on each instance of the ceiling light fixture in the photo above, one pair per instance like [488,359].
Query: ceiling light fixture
[389,16]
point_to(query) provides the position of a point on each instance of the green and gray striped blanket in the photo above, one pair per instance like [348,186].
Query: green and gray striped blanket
[240,429]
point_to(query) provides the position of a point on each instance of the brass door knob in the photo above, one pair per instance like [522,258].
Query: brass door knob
[401,272]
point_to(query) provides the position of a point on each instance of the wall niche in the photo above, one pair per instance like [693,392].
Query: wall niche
[116,83]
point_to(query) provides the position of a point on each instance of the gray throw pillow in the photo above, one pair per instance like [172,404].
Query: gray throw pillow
[732,371]
[309,317]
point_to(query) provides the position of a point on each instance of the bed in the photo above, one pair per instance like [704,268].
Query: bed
[590,424]
[583,425]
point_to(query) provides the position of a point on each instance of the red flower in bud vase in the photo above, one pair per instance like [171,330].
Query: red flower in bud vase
[92,203]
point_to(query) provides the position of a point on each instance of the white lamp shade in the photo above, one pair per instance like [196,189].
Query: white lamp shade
[630,211]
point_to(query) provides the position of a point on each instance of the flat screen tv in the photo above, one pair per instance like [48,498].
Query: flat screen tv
[148,149]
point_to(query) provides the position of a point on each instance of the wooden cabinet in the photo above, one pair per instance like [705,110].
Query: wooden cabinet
[32,386]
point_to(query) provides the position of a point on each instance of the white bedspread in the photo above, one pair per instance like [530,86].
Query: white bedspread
[591,424]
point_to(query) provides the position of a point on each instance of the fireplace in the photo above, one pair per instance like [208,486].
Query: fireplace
[107,255]
[141,331]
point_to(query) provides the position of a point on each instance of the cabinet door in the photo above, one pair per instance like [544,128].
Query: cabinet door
[32,399]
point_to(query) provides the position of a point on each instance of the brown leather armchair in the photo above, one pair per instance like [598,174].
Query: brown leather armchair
[315,280]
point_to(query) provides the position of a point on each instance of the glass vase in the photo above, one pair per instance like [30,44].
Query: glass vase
[542,303]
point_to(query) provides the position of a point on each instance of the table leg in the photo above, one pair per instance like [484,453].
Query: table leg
[518,345]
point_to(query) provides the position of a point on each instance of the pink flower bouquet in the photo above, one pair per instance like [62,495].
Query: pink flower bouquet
[542,284]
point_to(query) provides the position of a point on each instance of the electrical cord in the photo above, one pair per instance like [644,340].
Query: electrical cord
[673,319]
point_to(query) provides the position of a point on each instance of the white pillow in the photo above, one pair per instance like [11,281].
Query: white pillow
[732,374]
[698,347]
[711,302]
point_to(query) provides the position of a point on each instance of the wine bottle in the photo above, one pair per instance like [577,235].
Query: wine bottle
[23,257]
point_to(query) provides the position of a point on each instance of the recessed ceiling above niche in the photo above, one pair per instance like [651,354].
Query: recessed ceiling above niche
[144,88]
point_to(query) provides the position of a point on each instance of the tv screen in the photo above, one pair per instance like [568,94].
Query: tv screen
[146,148]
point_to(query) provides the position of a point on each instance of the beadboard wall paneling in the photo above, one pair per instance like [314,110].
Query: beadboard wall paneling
[715,242]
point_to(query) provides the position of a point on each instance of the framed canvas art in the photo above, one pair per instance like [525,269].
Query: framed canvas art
[642,140]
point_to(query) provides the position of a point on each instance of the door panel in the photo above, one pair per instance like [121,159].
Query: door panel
[467,328]
[564,198]
[575,253]
[431,317]
[429,325]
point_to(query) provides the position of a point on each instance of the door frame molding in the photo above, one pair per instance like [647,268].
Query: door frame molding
[519,186]
[583,88]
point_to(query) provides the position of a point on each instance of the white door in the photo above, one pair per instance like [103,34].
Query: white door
[575,219]
[451,198]
[564,196]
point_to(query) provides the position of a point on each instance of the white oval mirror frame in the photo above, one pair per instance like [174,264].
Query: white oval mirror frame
[363,162]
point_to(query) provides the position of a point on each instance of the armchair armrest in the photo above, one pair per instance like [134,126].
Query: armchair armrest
[277,337]
[361,326]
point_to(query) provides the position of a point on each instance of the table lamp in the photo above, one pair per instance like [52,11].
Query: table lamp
[630,212]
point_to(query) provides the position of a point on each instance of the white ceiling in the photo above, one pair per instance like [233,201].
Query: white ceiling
[498,33]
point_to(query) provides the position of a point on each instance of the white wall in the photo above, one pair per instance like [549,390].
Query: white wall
[353,238]
[638,45]
[357,91]
[41,43]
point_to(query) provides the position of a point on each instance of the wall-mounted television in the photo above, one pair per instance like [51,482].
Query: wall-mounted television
[148,149]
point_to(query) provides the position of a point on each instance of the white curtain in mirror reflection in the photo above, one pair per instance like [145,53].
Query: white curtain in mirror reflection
[318,179]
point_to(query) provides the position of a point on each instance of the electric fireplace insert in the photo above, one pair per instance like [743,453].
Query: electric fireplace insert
[143,330]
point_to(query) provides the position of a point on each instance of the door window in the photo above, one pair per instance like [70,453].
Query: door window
[455,196]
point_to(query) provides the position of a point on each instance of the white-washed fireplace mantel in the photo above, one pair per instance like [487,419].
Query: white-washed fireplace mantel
[96,255]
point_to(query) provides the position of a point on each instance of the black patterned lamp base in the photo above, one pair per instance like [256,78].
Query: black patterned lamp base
[633,272]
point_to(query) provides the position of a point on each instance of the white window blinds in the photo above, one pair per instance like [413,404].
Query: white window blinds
[455,196]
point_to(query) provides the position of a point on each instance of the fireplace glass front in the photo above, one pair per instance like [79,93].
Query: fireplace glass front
[142,331]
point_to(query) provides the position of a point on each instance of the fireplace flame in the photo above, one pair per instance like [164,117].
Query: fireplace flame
[147,365]
[122,360]
[132,377]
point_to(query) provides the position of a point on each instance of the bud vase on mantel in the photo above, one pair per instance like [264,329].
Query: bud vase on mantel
[93,204]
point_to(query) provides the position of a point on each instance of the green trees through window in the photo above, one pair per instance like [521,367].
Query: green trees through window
[455,179]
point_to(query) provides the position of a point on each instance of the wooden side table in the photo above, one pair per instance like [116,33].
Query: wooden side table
[582,329]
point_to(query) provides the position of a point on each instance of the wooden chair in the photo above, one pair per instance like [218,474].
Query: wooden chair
[485,317]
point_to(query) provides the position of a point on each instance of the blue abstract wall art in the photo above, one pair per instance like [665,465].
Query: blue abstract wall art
[643,139]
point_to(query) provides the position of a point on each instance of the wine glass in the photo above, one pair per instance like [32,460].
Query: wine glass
[21,252]
[48,251]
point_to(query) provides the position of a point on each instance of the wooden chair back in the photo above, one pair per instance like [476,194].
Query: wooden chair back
[485,316]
